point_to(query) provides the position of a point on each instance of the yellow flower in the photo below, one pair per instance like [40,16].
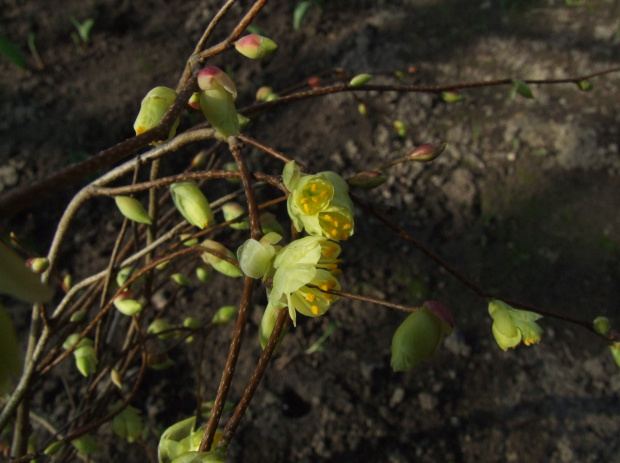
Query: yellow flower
[511,326]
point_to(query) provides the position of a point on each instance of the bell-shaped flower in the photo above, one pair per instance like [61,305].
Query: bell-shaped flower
[255,46]
[511,326]
[217,100]
[304,271]
[420,335]
[192,204]
[256,257]
[153,108]
[319,203]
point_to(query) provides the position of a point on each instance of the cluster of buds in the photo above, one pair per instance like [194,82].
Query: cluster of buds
[319,203]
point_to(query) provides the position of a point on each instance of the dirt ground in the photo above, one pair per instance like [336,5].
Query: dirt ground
[524,202]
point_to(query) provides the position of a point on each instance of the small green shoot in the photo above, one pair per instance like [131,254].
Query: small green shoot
[520,87]
[318,345]
[10,51]
[301,10]
[34,52]
[83,31]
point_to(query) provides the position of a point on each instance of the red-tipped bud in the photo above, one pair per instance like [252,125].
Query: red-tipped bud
[255,46]
[314,82]
[368,179]
[194,101]
[211,77]
[38,264]
[426,152]
[199,161]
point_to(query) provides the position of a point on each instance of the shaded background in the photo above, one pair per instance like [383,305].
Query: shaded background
[523,201]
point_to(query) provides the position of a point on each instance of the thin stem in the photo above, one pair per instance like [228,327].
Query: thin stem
[235,149]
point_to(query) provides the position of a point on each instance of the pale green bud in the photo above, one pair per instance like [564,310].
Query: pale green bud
[615,352]
[153,108]
[368,179]
[126,305]
[116,378]
[203,274]
[181,280]
[192,204]
[187,239]
[67,282]
[266,94]
[224,315]
[217,100]
[400,128]
[232,211]
[452,97]
[78,316]
[85,444]
[221,265]
[420,335]
[132,209]
[362,108]
[585,85]
[601,325]
[267,323]
[360,80]
[160,325]
[159,362]
[54,448]
[84,353]
[178,439]
[232,167]
[255,46]
[38,264]
[192,323]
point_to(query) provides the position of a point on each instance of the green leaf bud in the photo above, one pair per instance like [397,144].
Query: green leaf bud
[420,335]
[84,353]
[85,444]
[362,108]
[78,316]
[67,282]
[368,179]
[255,46]
[153,108]
[223,266]
[360,80]
[203,274]
[116,378]
[127,306]
[54,448]
[217,100]
[585,85]
[601,325]
[520,87]
[132,209]
[181,280]
[232,211]
[192,204]
[224,315]
[159,325]
[400,128]
[452,97]
[192,323]
[187,240]
[426,152]
[38,264]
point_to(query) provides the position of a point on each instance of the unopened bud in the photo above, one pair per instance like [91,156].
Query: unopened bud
[194,101]
[585,85]
[615,352]
[601,325]
[368,179]
[265,94]
[67,282]
[159,325]
[85,444]
[360,80]
[233,211]
[426,152]
[192,204]
[153,108]
[314,82]
[269,223]
[224,315]
[187,240]
[78,316]
[217,100]
[38,264]
[362,109]
[203,274]
[127,306]
[159,362]
[181,279]
[192,323]
[132,209]
[223,266]
[400,128]
[199,161]
[116,378]
[255,46]
[452,97]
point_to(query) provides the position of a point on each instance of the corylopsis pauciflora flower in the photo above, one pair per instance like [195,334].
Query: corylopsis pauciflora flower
[319,203]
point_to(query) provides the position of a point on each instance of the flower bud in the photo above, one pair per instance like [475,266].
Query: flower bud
[217,100]
[160,325]
[511,326]
[400,128]
[38,264]
[267,323]
[203,274]
[194,101]
[199,161]
[192,204]
[615,352]
[359,80]
[67,282]
[265,94]
[221,265]
[420,335]
[132,209]
[159,362]
[362,109]
[153,108]
[224,315]
[601,325]
[53,448]
[585,85]
[231,212]
[181,280]
[192,323]
[127,306]
[78,316]
[368,179]
[452,97]
[187,239]
[426,152]
[116,378]
[232,167]
[85,444]
[84,353]
[255,46]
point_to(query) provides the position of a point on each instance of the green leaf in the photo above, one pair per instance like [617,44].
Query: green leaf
[301,10]
[12,53]
[520,87]
[83,28]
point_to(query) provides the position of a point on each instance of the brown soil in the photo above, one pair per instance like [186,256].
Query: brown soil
[524,202]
